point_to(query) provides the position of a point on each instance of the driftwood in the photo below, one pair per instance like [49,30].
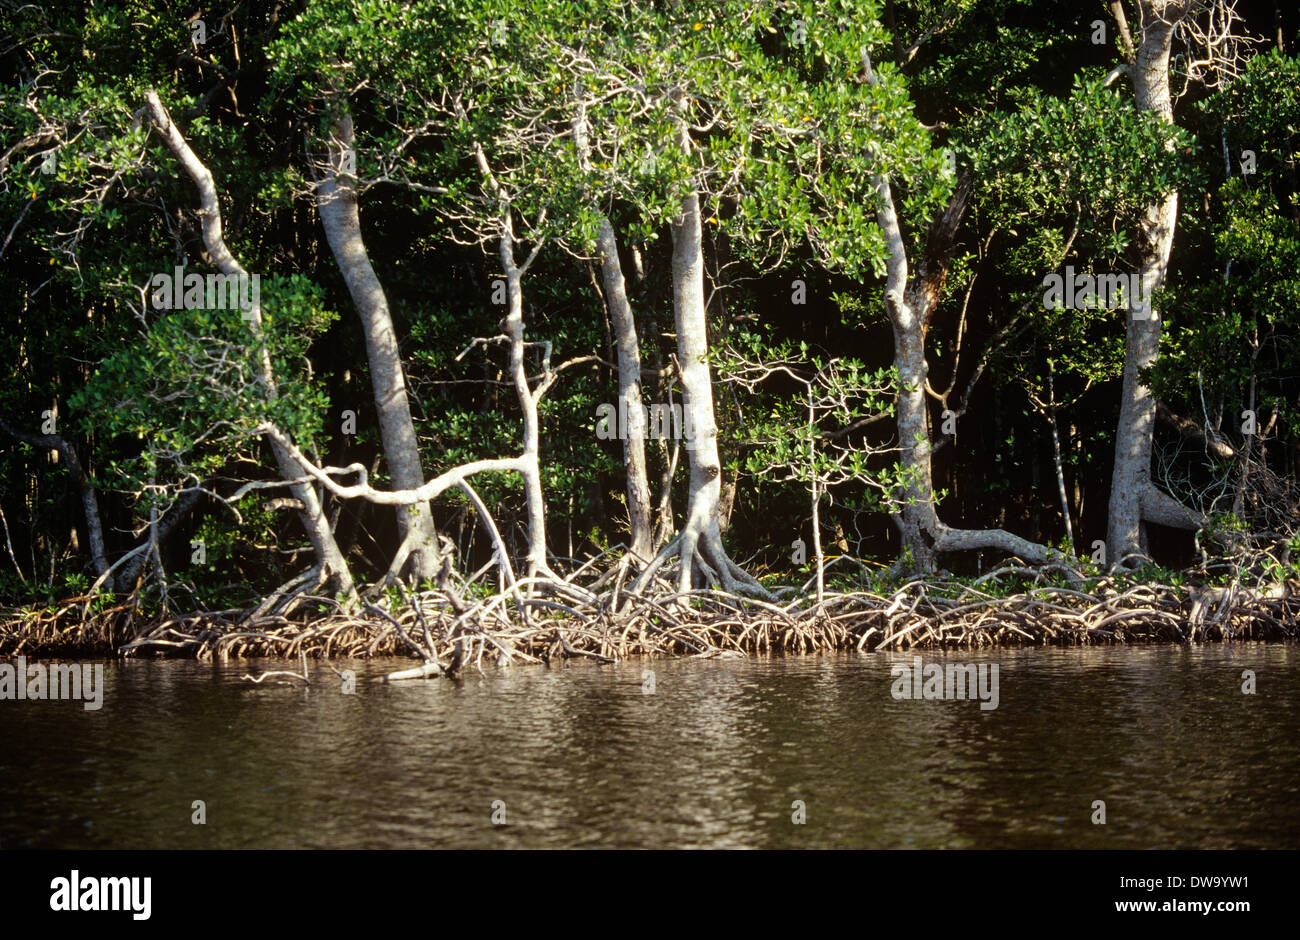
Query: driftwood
[280,672]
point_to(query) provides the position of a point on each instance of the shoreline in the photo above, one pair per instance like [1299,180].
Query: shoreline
[702,624]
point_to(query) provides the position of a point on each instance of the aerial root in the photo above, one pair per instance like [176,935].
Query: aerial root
[546,620]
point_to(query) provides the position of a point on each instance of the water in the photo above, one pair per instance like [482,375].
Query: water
[715,757]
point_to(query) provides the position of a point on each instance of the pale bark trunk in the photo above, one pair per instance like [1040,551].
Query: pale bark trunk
[313,518]
[629,393]
[699,544]
[923,534]
[917,519]
[528,462]
[529,458]
[1133,497]
[633,431]
[336,200]
[705,486]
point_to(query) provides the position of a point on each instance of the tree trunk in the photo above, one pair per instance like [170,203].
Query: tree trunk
[909,305]
[1057,465]
[1133,497]
[705,486]
[336,200]
[916,519]
[629,393]
[313,517]
[163,530]
[699,543]
[633,428]
[530,457]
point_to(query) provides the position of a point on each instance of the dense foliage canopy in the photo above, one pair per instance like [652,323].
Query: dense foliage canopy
[525,172]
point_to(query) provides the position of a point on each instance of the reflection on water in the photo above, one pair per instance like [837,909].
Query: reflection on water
[715,757]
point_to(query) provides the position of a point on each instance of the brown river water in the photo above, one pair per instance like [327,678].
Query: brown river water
[722,754]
